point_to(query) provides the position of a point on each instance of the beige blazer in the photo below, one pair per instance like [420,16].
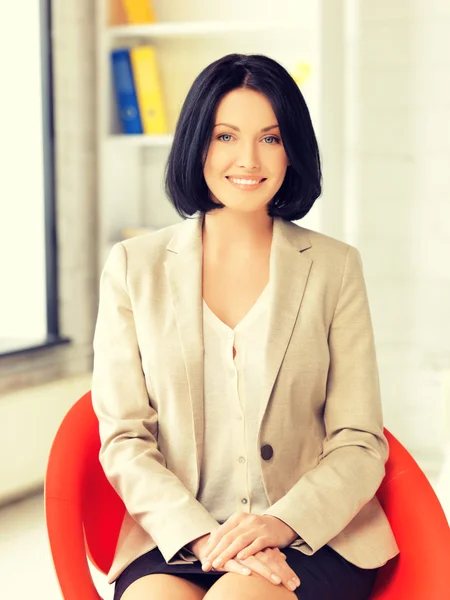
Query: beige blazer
[322,413]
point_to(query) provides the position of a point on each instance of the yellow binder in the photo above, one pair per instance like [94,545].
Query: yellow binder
[148,89]
[139,11]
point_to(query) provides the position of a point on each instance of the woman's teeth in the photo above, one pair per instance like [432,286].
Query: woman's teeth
[245,181]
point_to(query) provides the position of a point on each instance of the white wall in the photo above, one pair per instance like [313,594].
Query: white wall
[398,209]
[31,418]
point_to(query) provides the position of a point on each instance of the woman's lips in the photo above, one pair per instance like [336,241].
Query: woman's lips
[246,186]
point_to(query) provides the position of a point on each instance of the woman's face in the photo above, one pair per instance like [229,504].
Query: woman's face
[245,143]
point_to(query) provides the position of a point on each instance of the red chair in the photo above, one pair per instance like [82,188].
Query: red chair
[84,515]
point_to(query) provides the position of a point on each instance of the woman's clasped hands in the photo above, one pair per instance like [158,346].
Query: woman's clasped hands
[254,541]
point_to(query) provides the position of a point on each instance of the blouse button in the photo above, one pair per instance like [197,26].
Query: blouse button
[267,452]
[241,459]
[244,500]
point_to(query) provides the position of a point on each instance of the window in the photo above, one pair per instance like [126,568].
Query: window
[28,284]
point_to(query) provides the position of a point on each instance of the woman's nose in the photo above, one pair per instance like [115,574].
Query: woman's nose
[247,157]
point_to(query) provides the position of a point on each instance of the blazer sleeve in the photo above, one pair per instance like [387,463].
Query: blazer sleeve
[355,450]
[129,454]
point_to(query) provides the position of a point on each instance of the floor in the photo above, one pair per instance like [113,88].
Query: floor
[25,562]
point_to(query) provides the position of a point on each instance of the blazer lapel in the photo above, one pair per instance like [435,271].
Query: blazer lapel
[289,272]
[184,273]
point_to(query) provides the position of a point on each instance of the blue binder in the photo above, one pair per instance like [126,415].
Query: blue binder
[127,102]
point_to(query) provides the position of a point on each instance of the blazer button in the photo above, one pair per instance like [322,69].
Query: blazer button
[267,452]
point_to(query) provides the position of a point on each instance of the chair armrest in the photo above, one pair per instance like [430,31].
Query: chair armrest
[68,550]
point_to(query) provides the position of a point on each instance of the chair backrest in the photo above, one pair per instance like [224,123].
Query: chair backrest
[82,506]
[422,569]
[75,476]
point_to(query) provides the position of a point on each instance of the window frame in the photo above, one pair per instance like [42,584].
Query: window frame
[53,337]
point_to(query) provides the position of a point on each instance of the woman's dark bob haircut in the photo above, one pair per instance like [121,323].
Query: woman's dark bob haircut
[185,184]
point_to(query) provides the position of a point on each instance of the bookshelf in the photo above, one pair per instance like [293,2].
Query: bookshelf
[187,37]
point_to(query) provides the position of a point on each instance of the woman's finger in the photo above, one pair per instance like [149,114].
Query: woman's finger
[276,561]
[218,534]
[233,566]
[228,547]
[262,567]
[256,546]
[270,566]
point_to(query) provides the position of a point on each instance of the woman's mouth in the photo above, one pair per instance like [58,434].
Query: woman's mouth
[246,184]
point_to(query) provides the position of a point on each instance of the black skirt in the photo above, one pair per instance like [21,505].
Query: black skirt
[325,575]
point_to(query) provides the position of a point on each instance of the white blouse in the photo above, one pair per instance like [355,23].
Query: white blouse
[230,477]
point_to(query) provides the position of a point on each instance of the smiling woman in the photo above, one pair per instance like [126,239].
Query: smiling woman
[248,158]
[247,119]
[235,377]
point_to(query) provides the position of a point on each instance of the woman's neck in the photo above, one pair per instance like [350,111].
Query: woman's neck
[225,230]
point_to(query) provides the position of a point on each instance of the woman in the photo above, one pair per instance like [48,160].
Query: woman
[235,376]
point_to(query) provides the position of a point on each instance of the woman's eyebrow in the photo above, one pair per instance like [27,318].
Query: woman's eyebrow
[237,128]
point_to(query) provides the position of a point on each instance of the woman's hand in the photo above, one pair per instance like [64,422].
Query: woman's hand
[231,566]
[244,535]
[271,564]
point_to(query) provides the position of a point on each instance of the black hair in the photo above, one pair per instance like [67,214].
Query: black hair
[185,184]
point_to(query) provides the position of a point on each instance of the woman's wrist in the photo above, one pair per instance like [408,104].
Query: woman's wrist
[289,534]
[196,545]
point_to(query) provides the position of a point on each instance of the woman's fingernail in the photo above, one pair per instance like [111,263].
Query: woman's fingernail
[275,578]
[206,565]
[245,571]
[291,585]
[217,563]
[297,581]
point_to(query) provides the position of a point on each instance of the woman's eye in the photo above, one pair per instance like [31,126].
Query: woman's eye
[268,137]
[272,137]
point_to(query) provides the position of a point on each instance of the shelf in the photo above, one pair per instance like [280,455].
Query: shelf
[206,28]
[155,141]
